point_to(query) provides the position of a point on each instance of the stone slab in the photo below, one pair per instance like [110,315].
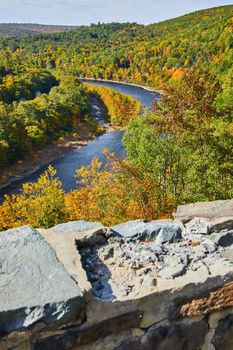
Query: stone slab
[34,285]
[160,231]
[207,226]
[77,226]
[66,251]
[210,210]
[228,254]
[223,239]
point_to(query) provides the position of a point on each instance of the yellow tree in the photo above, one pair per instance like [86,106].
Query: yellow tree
[110,194]
[40,205]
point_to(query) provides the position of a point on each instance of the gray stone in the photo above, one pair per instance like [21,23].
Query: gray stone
[220,224]
[198,226]
[34,285]
[77,226]
[210,210]
[74,338]
[207,226]
[130,229]
[67,253]
[223,239]
[228,254]
[174,267]
[223,338]
[160,231]
[171,337]
[90,238]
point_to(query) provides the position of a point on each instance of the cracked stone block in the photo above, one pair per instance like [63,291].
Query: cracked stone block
[34,285]
[160,231]
[77,226]
[209,210]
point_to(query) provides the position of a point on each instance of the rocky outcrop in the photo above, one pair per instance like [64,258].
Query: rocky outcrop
[30,274]
[137,285]
[223,338]
[77,226]
[160,231]
[207,226]
[172,337]
[209,210]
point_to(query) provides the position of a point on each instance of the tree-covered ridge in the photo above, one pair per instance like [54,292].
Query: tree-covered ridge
[150,55]
[82,36]
[17,29]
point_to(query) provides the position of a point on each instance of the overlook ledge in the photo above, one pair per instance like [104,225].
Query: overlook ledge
[137,285]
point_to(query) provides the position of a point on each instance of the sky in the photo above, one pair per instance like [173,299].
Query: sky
[79,12]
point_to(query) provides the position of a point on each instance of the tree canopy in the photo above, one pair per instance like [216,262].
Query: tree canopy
[180,152]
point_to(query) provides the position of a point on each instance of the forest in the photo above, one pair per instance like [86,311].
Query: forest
[30,123]
[120,108]
[150,55]
[180,152]
[17,29]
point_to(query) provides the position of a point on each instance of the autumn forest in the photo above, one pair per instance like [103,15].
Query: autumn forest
[181,151]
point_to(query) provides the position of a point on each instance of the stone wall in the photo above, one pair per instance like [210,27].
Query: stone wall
[164,284]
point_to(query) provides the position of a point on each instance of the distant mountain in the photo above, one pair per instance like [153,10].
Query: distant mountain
[16,29]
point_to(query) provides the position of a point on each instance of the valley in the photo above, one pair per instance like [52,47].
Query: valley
[158,155]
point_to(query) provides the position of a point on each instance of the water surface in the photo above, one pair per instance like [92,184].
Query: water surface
[69,163]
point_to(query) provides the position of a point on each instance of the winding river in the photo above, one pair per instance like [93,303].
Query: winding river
[70,162]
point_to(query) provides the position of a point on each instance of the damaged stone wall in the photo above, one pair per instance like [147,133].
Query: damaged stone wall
[164,284]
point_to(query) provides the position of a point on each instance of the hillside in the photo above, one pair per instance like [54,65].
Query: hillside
[17,29]
[189,58]
[142,54]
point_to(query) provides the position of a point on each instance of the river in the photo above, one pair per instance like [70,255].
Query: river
[70,162]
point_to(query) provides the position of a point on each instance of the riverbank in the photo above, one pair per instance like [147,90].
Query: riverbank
[86,132]
[147,88]
[27,166]
[58,152]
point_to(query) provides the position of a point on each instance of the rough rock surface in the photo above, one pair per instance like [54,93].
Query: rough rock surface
[228,253]
[77,226]
[160,231]
[210,210]
[223,338]
[172,337]
[29,278]
[207,226]
[216,300]
[138,285]
[77,337]
[223,239]
[67,253]
[125,269]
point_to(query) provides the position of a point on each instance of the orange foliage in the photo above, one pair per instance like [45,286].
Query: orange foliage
[110,196]
[176,73]
[40,204]
[120,108]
